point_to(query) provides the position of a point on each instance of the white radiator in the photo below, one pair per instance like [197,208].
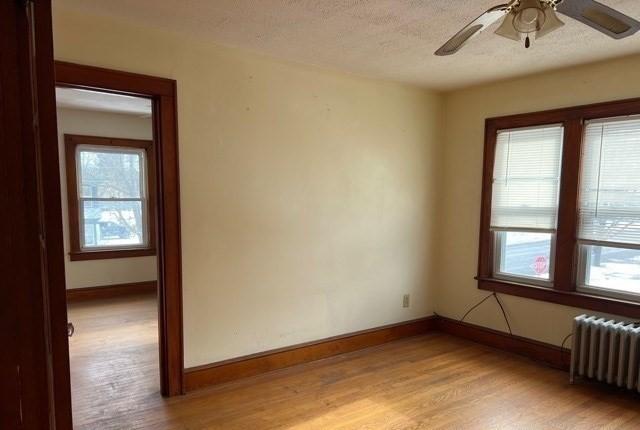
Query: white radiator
[606,350]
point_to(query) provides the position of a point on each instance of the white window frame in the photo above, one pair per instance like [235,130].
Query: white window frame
[498,247]
[582,271]
[144,195]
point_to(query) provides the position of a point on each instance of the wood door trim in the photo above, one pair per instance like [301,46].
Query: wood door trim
[35,281]
[115,81]
[254,364]
[163,94]
[110,291]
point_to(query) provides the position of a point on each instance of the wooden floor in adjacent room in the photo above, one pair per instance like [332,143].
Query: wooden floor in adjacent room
[428,382]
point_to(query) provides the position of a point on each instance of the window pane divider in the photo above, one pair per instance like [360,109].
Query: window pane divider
[606,244]
[112,199]
[525,229]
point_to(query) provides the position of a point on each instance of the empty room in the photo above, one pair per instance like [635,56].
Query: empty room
[292,214]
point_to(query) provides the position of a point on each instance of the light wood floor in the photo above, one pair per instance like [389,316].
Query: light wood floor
[114,360]
[427,382]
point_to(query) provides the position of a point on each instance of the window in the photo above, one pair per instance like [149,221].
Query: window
[524,255]
[526,178]
[110,197]
[609,208]
[560,218]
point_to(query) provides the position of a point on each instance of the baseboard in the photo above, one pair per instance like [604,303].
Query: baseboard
[242,367]
[255,364]
[110,291]
[550,355]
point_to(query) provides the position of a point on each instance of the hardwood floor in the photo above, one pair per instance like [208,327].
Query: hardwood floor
[433,381]
[114,360]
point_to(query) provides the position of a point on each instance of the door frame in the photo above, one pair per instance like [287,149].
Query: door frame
[35,373]
[162,93]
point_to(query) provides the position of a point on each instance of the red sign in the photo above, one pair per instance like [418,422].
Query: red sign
[540,265]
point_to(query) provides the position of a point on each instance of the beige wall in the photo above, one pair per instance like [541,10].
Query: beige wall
[313,200]
[308,196]
[465,112]
[111,271]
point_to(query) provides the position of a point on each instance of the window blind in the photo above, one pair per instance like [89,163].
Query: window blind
[526,178]
[609,205]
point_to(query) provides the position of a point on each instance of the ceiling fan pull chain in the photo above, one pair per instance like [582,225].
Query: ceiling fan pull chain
[527,42]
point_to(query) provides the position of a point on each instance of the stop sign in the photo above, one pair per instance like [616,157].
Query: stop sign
[540,265]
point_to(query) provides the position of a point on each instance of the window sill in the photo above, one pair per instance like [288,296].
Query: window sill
[592,302]
[105,255]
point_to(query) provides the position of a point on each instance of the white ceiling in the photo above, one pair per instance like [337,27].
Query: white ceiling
[99,101]
[389,39]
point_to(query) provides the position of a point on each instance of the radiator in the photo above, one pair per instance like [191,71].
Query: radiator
[606,351]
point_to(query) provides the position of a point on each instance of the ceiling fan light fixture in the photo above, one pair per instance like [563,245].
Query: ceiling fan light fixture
[507,29]
[551,23]
[529,17]
[537,18]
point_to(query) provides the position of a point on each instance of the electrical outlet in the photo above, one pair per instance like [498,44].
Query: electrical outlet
[406,300]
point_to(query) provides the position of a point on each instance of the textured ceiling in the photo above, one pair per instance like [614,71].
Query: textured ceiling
[389,39]
[99,101]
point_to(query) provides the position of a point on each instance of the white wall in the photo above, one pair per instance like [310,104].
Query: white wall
[109,271]
[465,112]
[308,197]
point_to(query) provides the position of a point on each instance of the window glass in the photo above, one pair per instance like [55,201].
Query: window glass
[110,174]
[616,269]
[524,254]
[111,185]
[112,223]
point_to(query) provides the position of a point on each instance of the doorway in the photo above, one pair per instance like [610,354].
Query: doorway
[122,230]
[107,177]
[36,367]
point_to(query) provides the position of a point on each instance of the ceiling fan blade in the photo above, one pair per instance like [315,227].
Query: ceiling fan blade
[603,18]
[454,44]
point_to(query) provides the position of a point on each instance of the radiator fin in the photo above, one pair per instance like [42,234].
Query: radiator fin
[607,351]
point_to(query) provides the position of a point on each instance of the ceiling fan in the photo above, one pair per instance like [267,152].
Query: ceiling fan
[539,18]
